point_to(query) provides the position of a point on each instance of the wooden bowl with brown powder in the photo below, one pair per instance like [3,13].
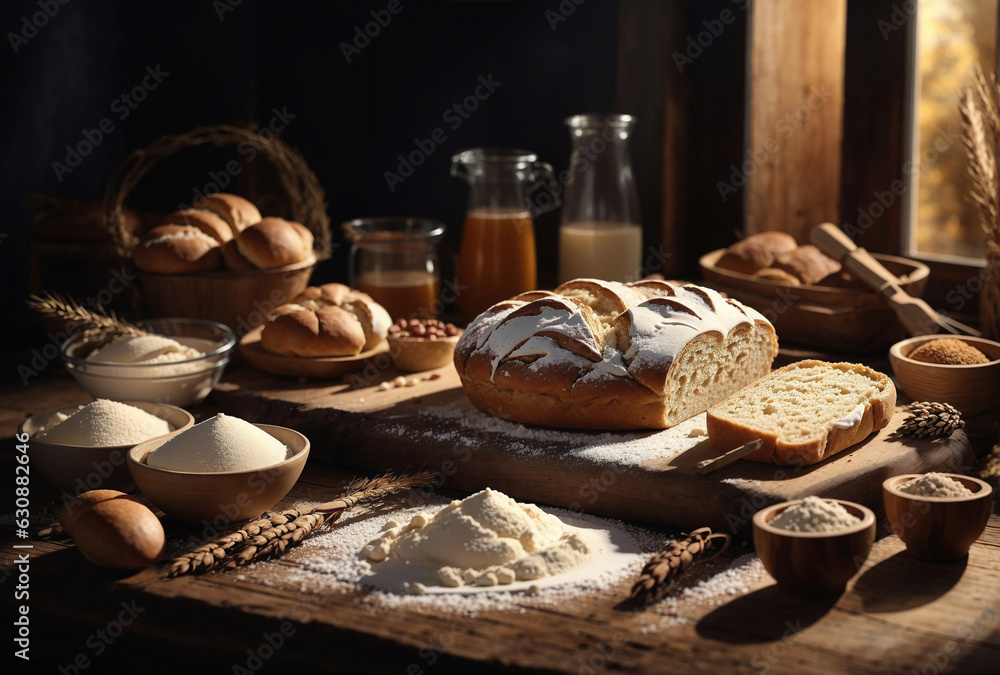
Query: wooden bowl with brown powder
[971,387]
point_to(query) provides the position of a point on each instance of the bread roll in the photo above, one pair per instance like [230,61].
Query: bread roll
[604,355]
[275,242]
[328,320]
[807,263]
[111,529]
[756,252]
[239,213]
[177,249]
[804,412]
[233,260]
[774,274]
[206,221]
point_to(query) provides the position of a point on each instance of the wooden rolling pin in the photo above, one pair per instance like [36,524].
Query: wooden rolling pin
[917,316]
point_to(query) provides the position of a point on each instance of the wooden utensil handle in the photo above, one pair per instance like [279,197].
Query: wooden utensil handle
[831,240]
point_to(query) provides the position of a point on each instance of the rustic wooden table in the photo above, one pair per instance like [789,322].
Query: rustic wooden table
[897,615]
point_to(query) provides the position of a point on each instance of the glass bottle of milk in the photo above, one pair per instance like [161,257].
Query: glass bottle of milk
[600,236]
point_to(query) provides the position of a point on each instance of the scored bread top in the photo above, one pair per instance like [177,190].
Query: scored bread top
[804,412]
[598,339]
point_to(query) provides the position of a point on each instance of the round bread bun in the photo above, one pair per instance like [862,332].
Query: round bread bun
[111,529]
[756,252]
[233,260]
[239,213]
[206,221]
[275,242]
[293,330]
[807,263]
[177,249]
[80,223]
[781,276]
[327,320]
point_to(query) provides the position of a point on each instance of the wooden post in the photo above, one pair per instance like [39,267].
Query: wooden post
[792,163]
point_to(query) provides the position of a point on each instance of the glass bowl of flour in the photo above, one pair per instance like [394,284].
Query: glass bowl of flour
[178,362]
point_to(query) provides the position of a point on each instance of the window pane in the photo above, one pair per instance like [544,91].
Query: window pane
[952,36]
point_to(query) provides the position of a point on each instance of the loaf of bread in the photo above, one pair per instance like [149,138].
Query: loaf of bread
[236,211]
[604,355]
[756,252]
[206,221]
[804,412]
[271,243]
[327,320]
[112,529]
[807,263]
[177,249]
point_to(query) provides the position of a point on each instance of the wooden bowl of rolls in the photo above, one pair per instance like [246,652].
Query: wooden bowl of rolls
[223,261]
[808,297]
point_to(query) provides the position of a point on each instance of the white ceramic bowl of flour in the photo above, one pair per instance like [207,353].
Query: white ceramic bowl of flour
[183,383]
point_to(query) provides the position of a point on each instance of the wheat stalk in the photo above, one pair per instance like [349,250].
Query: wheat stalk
[675,560]
[272,534]
[97,325]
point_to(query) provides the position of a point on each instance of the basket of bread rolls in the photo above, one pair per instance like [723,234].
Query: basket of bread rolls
[222,259]
[808,297]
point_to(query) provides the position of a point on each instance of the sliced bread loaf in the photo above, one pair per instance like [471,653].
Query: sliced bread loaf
[804,412]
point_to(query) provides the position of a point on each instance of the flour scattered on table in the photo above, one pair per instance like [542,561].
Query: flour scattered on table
[459,424]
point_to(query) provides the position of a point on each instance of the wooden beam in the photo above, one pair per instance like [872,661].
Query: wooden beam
[796,93]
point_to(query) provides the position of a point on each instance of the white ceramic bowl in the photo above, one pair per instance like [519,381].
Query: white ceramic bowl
[182,383]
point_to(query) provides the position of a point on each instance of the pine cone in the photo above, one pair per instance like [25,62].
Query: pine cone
[931,420]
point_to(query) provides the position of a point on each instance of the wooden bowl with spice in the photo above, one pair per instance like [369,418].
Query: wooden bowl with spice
[813,546]
[937,515]
[416,345]
[960,370]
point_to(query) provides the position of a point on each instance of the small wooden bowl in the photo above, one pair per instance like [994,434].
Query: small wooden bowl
[413,354]
[938,528]
[813,563]
[971,389]
[219,498]
[79,468]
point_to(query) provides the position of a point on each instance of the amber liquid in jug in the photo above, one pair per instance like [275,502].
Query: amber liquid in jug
[497,257]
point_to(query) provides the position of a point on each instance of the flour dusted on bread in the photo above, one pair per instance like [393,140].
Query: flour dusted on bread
[804,412]
[605,355]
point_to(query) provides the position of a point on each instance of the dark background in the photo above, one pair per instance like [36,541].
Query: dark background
[351,120]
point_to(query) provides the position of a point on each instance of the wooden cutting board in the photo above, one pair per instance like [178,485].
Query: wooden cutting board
[648,477]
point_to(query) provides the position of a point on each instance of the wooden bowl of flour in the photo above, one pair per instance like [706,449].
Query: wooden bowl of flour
[813,563]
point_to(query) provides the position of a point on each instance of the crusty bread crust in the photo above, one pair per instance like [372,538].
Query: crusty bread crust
[177,249]
[327,320]
[206,221]
[756,251]
[597,355]
[239,213]
[275,242]
[727,434]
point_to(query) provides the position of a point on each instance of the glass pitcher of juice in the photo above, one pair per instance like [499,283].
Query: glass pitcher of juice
[395,261]
[497,257]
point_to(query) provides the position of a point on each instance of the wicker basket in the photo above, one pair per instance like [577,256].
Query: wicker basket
[241,300]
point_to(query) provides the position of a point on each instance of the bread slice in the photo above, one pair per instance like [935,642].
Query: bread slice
[804,412]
